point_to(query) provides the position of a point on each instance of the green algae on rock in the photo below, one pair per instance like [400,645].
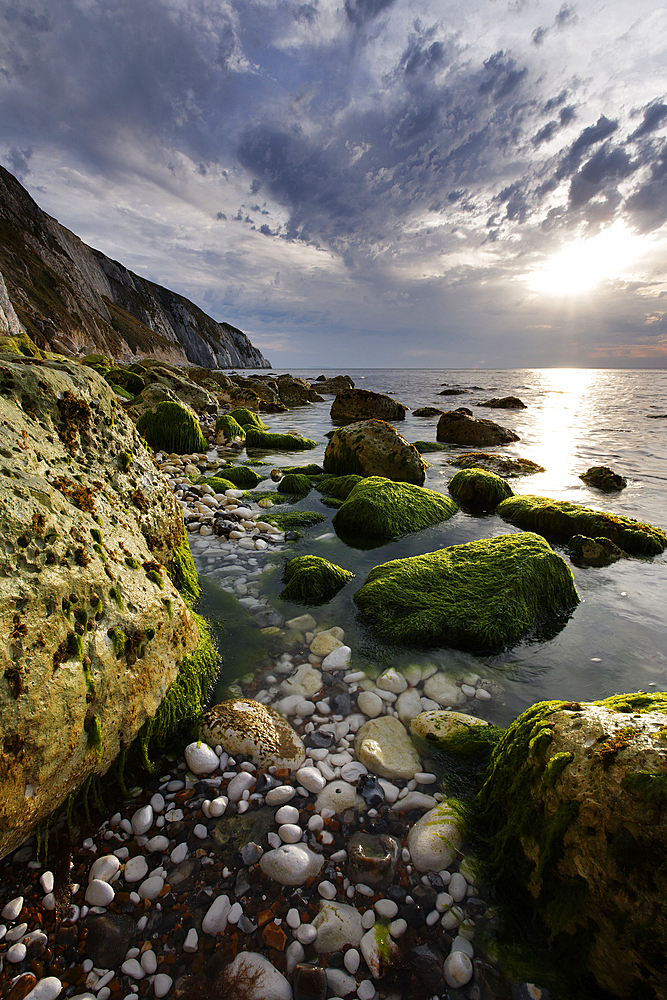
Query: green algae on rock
[373,448]
[172,427]
[461,744]
[228,427]
[604,478]
[295,484]
[261,441]
[425,447]
[482,596]
[479,489]
[593,551]
[242,476]
[287,520]
[503,465]
[312,580]
[381,508]
[338,486]
[217,483]
[248,418]
[559,520]
[312,469]
[573,805]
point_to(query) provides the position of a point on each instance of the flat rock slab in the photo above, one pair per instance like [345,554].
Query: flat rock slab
[482,596]
[386,749]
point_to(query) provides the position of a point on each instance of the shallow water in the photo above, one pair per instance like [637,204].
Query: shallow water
[616,639]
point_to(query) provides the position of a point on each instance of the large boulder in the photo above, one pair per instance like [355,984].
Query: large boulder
[559,520]
[380,508]
[361,404]
[574,803]
[478,489]
[483,596]
[172,427]
[94,629]
[296,391]
[334,385]
[373,448]
[458,427]
[313,580]
[188,392]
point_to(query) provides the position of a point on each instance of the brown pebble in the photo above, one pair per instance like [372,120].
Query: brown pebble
[264,917]
[274,936]
[21,987]
[183,796]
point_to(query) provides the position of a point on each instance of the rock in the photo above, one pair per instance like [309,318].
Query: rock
[379,950]
[427,411]
[326,641]
[574,799]
[503,403]
[391,680]
[305,682]
[135,869]
[482,596]
[162,984]
[104,868]
[339,796]
[296,391]
[445,729]
[604,478]
[372,859]
[309,982]
[142,820]
[338,659]
[311,779]
[373,448]
[351,405]
[108,938]
[263,441]
[337,925]
[593,551]
[373,790]
[172,427]
[201,758]
[458,969]
[304,623]
[503,465]
[386,749]
[312,580]
[457,427]
[339,983]
[560,520]
[479,489]
[436,839]
[244,726]
[47,988]
[99,893]
[112,648]
[336,384]
[215,918]
[414,800]
[253,977]
[371,704]
[408,705]
[380,508]
[291,864]
[441,689]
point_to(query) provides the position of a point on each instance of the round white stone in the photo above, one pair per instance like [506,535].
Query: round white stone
[136,869]
[218,806]
[46,989]
[368,920]
[215,921]
[239,784]
[293,918]
[46,881]
[16,953]
[311,779]
[11,910]
[366,990]
[327,890]
[398,928]
[435,839]
[267,982]
[142,820]
[148,961]
[191,942]
[132,968]
[281,794]
[99,893]
[458,969]
[457,887]
[104,868]
[235,914]
[179,853]
[151,888]
[290,833]
[159,843]
[200,831]
[353,771]
[392,681]
[338,659]
[287,814]
[201,758]
[386,908]
[461,943]
[351,960]
[162,984]
[291,864]
[305,934]
[369,703]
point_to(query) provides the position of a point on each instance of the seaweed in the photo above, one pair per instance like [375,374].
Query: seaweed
[230,427]
[312,580]
[478,489]
[248,418]
[424,447]
[171,427]
[288,519]
[381,508]
[182,573]
[338,486]
[261,441]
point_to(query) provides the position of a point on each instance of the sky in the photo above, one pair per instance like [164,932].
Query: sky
[363,183]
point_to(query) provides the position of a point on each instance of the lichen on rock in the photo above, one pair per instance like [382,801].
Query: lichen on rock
[242,725]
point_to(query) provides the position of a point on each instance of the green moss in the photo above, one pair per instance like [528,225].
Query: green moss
[383,940]
[303,470]
[186,697]
[97,535]
[95,737]
[560,519]
[651,786]
[75,647]
[90,684]
[289,519]
[380,508]
[218,484]
[118,640]
[463,755]
[170,427]
[156,578]
[182,573]
[555,767]
[132,562]
[248,418]
[230,427]
[125,460]
[478,489]
[312,580]
[338,486]
[482,596]
[21,345]
[293,483]
[261,441]
[169,605]
[639,702]
[424,447]
[603,478]
[123,393]
[241,476]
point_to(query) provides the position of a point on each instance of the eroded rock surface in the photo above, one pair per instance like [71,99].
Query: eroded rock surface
[373,448]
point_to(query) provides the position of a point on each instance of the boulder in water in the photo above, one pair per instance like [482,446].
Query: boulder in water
[459,427]
[351,405]
[373,448]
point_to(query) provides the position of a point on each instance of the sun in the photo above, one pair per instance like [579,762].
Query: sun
[584,264]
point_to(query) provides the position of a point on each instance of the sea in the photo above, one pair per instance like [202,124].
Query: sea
[616,639]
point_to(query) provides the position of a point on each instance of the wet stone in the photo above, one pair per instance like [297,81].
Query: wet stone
[413,915]
[182,877]
[425,896]
[371,791]
[309,982]
[397,894]
[372,859]
[108,939]
[231,833]
[319,741]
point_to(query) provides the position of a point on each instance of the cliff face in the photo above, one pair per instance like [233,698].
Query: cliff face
[73,299]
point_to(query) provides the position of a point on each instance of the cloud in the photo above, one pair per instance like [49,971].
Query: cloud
[654,116]
[359,12]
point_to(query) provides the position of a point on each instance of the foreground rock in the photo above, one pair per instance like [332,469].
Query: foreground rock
[560,520]
[242,725]
[95,630]
[479,489]
[482,596]
[458,427]
[380,508]
[313,580]
[361,404]
[575,799]
[436,839]
[373,448]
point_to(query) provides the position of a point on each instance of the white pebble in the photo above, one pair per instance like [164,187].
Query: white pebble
[293,918]
[235,913]
[425,777]
[135,869]
[49,902]
[398,928]
[99,893]
[201,758]
[162,984]
[200,831]
[11,910]
[191,942]
[386,908]
[353,771]
[46,881]
[461,943]
[482,695]
[151,888]
[290,833]
[179,853]
[311,779]
[148,961]
[278,796]
[241,783]
[368,919]
[104,868]
[16,953]
[305,934]
[142,820]
[46,989]
[327,890]
[351,960]
[157,802]
[315,822]
[458,969]
[132,968]
[457,887]
[366,990]
[287,814]
[16,933]
[218,805]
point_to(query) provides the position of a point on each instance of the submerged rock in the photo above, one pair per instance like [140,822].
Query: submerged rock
[244,726]
[373,448]
[503,465]
[560,520]
[504,403]
[336,384]
[574,800]
[458,427]
[372,859]
[291,864]
[253,977]
[313,580]
[337,925]
[593,551]
[427,411]
[384,746]
[381,508]
[604,478]
[479,489]
[482,596]
[351,405]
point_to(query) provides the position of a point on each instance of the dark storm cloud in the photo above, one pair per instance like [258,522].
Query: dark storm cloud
[590,136]
[648,205]
[501,76]
[563,18]
[607,166]
[362,11]
[654,116]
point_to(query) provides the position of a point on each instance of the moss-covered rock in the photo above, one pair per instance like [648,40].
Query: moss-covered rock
[242,476]
[296,391]
[218,484]
[262,441]
[312,580]
[458,427]
[503,465]
[603,478]
[312,469]
[559,520]
[380,508]
[482,596]
[172,427]
[574,804]
[295,484]
[424,447]
[593,551]
[288,520]
[126,379]
[373,448]
[479,489]
[338,486]
[352,405]
[427,411]
[248,418]
[227,428]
